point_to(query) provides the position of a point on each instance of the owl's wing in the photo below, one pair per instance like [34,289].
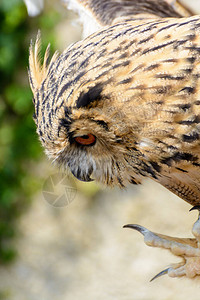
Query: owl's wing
[34,7]
[95,14]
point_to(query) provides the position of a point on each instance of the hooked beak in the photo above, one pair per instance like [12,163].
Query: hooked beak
[82,176]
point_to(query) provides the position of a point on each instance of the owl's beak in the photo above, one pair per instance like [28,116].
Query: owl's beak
[82,177]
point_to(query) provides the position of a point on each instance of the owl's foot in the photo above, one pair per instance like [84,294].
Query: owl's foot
[186,248]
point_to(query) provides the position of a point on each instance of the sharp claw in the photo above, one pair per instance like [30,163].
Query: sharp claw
[143,231]
[139,228]
[164,272]
[196,207]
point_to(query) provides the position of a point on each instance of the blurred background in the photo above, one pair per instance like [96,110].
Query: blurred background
[74,247]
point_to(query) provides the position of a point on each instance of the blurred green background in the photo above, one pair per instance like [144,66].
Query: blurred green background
[19,146]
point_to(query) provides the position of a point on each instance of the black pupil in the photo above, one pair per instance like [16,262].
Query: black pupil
[85,137]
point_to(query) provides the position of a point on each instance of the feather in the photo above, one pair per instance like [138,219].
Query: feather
[37,70]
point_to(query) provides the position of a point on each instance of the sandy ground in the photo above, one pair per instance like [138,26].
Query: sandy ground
[81,251]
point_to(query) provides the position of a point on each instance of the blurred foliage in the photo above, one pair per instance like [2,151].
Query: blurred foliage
[19,146]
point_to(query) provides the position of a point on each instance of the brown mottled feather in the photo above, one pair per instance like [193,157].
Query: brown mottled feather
[135,87]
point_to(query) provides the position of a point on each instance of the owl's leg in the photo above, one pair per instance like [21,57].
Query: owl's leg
[186,248]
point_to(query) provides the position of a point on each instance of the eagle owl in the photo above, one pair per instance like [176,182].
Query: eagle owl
[123,104]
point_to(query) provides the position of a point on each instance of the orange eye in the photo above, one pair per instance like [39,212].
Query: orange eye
[88,139]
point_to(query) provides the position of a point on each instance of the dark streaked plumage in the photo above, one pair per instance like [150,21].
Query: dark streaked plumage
[123,104]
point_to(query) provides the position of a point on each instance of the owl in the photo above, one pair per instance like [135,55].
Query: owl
[123,105]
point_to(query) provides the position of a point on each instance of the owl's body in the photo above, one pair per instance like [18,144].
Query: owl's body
[124,104]
[135,86]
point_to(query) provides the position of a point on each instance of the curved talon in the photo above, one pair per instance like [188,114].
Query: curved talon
[164,272]
[186,248]
[139,228]
[196,207]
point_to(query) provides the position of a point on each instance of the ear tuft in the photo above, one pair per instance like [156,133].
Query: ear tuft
[37,71]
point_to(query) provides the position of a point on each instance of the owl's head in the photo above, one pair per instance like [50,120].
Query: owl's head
[80,123]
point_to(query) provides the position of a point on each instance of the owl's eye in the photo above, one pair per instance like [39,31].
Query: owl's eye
[88,139]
